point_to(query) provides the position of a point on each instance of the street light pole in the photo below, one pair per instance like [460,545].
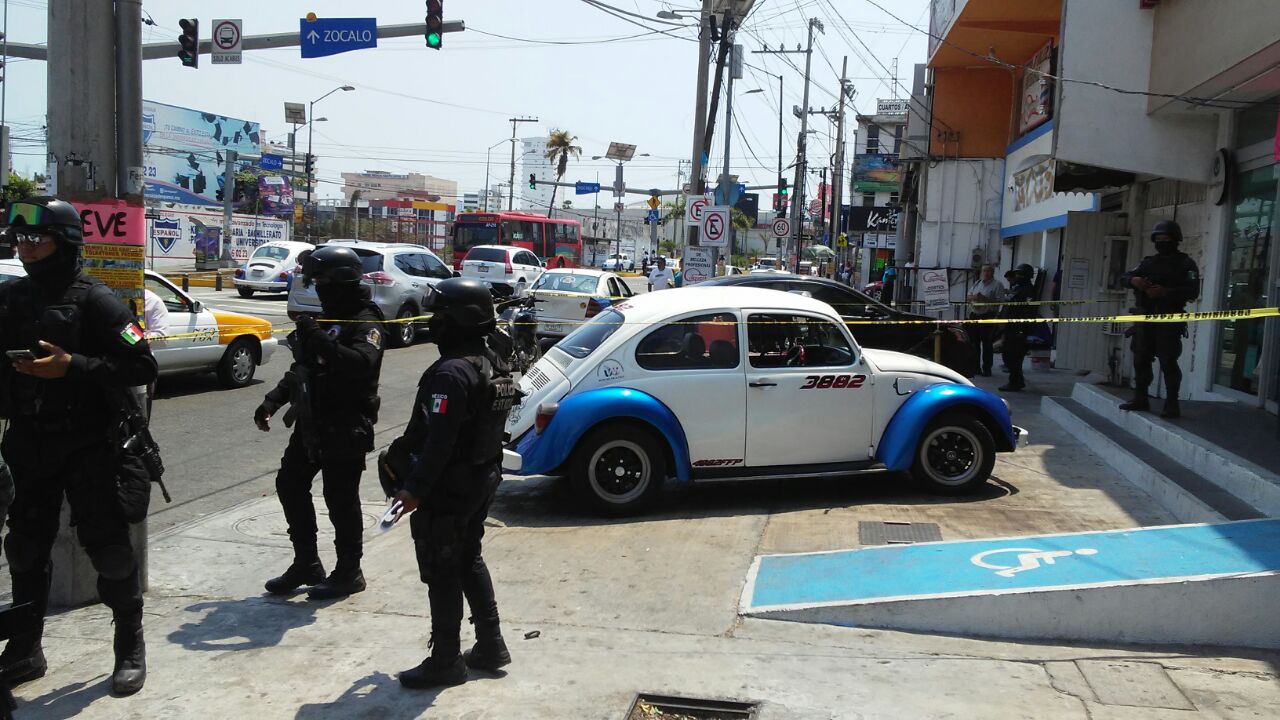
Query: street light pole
[486,173]
[511,199]
[311,112]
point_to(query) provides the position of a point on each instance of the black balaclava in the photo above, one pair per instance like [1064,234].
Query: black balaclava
[1166,247]
[454,339]
[57,271]
[339,300]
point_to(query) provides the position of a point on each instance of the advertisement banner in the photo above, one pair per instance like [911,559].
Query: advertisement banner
[874,172]
[114,237]
[1036,104]
[180,236]
[275,195]
[184,150]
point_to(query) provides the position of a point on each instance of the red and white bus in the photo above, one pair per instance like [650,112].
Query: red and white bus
[556,242]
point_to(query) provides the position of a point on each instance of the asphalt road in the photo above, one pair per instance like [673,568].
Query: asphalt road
[214,456]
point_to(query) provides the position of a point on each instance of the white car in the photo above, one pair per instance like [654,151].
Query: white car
[717,383]
[270,268]
[568,297]
[199,339]
[618,262]
[508,270]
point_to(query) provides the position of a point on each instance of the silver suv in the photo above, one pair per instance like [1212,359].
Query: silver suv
[397,275]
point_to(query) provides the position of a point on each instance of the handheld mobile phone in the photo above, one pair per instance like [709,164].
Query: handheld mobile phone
[15,355]
[392,516]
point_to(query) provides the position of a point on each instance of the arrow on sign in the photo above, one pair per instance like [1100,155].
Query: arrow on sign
[313,36]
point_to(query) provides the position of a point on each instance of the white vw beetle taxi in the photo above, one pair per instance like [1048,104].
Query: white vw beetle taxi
[721,383]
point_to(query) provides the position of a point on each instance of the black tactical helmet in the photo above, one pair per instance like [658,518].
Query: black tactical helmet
[47,214]
[331,265]
[1026,271]
[463,302]
[1167,227]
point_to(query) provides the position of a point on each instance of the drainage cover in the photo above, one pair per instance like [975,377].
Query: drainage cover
[664,707]
[897,533]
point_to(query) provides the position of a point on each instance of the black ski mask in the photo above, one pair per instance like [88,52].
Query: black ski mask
[58,270]
[338,300]
[1166,247]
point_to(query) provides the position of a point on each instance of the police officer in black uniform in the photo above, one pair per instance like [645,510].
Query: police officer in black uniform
[455,437]
[1163,283]
[1014,350]
[332,387]
[87,350]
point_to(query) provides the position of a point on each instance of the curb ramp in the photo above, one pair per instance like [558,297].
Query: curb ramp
[1201,584]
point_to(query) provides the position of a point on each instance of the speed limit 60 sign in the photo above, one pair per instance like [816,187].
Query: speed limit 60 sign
[781,227]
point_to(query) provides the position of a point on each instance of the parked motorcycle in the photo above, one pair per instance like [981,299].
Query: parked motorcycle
[518,321]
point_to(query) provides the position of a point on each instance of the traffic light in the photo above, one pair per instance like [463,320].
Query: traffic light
[237,194]
[533,181]
[190,42]
[435,24]
[311,165]
[782,189]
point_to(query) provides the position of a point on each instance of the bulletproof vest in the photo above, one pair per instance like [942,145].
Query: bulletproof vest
[337,395]
[1174,270]
[26,317]
[491,402]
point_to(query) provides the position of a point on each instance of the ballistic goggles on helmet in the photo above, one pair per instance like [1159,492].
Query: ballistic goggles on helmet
[33,224]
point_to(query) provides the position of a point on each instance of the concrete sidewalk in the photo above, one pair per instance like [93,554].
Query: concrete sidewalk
[628,606]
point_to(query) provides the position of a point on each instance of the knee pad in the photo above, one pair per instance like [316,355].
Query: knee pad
[23,553]
[113,562]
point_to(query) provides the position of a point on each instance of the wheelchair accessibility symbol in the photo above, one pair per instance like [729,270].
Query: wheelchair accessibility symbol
[1024,559]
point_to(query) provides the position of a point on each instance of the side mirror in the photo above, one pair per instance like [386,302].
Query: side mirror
[196,306]
[457,274]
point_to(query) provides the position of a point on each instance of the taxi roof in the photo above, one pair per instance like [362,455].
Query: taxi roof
[665,303]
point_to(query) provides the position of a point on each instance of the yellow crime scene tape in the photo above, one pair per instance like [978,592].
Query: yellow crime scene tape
[1182,317]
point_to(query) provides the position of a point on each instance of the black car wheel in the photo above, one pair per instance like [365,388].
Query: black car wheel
[618,469]
[955,455]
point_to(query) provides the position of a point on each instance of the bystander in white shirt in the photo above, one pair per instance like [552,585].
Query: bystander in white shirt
[155,316]
[660,276]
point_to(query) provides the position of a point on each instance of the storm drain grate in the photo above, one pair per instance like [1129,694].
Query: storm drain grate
[897,533]
[665,707]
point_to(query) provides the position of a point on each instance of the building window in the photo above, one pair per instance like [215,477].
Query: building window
[868,199]
[897,139]
[893,199]
[873,138]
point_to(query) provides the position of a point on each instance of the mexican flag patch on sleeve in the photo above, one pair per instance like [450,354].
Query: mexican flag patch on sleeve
[131,334]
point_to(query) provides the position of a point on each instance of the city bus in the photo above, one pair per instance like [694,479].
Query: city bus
[556,242]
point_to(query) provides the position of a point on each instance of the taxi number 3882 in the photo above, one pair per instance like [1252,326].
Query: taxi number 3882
[833,382]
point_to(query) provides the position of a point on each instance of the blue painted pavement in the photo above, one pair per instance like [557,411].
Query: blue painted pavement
[1010,564]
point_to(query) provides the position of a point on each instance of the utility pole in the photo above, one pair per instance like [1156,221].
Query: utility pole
[734,60]
[228,202]
[802,163]
[511,199]
[837,178]
[696,185]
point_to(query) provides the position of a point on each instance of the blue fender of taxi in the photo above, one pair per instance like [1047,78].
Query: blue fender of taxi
[544,452]
[901,437]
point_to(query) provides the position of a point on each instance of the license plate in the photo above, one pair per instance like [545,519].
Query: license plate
[554,328]
[483,268]
[258,273]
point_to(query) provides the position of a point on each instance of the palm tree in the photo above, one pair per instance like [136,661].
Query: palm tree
[559,147]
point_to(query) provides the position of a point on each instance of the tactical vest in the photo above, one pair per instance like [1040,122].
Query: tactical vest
[61,405]
[491,403]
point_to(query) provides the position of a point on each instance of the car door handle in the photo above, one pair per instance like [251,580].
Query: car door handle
[763,382]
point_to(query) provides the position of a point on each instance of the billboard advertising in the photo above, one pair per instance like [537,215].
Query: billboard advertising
[275,195]
[184,152]
[874,172]
[177,236]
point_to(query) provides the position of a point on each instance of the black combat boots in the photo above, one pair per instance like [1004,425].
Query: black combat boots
[22,661]
[445,667]
[1171,409]
[1139,401]
[305,570]
[346,579]
[131,655]
[490,651]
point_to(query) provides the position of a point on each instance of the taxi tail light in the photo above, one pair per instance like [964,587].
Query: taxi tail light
[546,411]
[593,307]
[240,273]
[379,278]
[283,276]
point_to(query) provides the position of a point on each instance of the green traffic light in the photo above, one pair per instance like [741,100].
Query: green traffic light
[433,40]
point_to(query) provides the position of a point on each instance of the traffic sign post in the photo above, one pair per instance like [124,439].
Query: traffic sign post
[586,188]
[271,162]
[781,227]
[695,205]
[295,114]
[715,227]
[652,216]
[227,38]
[330,36]
[619,207]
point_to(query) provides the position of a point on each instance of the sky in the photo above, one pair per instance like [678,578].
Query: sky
[437,112]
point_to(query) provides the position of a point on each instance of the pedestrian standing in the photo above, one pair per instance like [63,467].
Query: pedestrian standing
[660,275]
[1014,351]
[76,349]
[1162,283]
[456,434]
[332,388]
[890,275]
[984,305]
